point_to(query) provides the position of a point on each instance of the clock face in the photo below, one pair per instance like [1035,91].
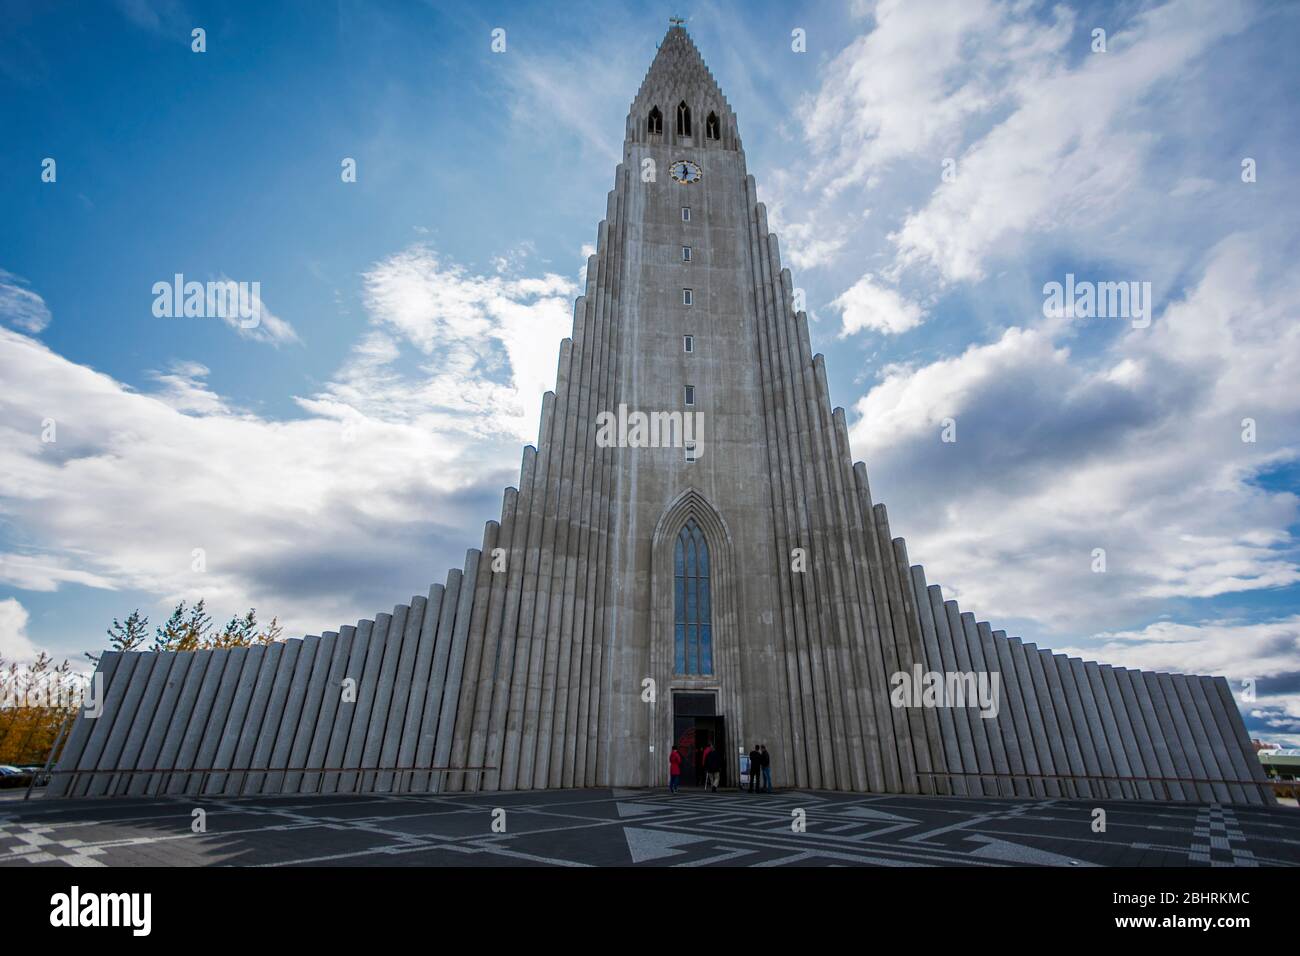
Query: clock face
[685,171]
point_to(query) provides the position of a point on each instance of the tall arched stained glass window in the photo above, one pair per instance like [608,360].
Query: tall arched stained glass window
[692,619]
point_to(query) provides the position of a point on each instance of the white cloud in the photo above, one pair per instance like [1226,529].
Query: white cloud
[269,329]
[20,307]
[387,476]
[15,645]
[911,84]
[1068,157]
[1238,650]
[869,305]
[1136,449]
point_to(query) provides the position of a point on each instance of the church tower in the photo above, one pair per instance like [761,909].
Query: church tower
[691,557]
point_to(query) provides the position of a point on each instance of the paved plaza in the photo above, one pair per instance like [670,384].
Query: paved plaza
[604,827]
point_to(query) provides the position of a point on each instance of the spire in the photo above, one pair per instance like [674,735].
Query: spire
[678,74]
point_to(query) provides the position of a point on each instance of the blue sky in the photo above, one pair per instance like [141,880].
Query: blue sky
[345,453]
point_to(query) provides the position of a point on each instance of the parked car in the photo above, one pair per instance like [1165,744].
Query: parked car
[11,776]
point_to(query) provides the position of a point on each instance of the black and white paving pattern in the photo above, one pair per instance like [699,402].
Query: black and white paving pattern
[606,827]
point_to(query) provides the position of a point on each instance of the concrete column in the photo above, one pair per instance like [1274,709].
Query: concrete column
[367,697]
[948,715]
[300,749]
[446,715]
[962,719]
[293,716]
[896,652]
[209,715]
[1211,725]
[1241,758]
[1127,732]
[345,710]
[1069,739]
[1190,742]
[336,647]
[1081,728]
[1169,734]
[83,728]
[1005,721]
[931,755]
[141,726]
[120,705]
[475,647]
[1111,737]
[251,726]
[225,718]
[493,644]
[506,663]
[1013,722]
[263,740]
[420,686]
[1264,789]
[1038,737]
[1055,741]
[1108,787]
[1155,753]
[775,396]
[399,700]
[453,613]
[982,735]
[173,716]
[975,661]
[1140,695]
[1006,745]
[379,713]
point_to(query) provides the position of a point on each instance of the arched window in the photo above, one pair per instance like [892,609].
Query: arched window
[683,119]
[711,128]
[655,124]
[693,621]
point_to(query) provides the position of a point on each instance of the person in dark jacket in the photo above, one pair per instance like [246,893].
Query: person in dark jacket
[755,763]
[712,768]
[674,769]
[702,770]
[766,763]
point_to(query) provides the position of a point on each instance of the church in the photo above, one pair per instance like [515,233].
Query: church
[733,584]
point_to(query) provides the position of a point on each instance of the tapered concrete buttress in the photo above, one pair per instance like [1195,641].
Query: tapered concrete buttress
[1004,717]
[1034,735]
[1012,723]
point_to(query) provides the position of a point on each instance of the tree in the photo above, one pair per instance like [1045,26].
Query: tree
[126,637]
[185,631]
[34,703]
[238,632]
[244,632]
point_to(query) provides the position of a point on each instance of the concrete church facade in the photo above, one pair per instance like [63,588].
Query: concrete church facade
[741,589]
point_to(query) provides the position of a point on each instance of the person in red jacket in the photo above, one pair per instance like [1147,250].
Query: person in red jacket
[674,769]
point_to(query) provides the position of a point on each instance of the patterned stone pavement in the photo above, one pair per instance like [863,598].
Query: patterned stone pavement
[641,827]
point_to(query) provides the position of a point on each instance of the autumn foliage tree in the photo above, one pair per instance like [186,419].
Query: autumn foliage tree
[35,700]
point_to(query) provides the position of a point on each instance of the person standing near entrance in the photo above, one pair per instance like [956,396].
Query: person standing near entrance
[704,765]
[712,768]
[674,769]
[766,762]
[755,761]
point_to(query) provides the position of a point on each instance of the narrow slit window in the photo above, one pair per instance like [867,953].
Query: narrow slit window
[686,214]
[690,394]
[687,297]
[686,253]
[688,343]
[683,119]
[691,454]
